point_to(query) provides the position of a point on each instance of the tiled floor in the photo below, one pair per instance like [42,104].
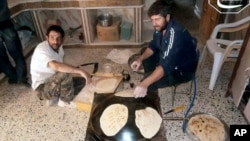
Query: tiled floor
[24,117]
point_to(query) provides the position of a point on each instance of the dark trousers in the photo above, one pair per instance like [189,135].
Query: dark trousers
[11,44]
[59,85]
[172,78]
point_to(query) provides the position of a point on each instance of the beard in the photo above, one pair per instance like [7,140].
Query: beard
[55,47]
[161,28]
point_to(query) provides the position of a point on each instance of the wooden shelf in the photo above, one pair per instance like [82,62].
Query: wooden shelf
[85,13]
[120,42]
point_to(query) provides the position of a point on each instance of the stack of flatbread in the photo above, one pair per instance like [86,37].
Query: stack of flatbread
[206,128]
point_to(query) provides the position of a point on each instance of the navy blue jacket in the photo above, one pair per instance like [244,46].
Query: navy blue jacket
[4,15]
[176,48]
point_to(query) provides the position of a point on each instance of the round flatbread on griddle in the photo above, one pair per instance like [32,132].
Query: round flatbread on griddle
[207,128]
[113,119]
[148,121]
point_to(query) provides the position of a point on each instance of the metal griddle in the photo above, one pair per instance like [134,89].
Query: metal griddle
[129,132]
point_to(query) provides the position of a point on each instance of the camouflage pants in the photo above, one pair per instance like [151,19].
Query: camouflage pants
[59,85]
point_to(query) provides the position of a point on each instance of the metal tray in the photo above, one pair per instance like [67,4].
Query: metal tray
[194,138]
[129,131]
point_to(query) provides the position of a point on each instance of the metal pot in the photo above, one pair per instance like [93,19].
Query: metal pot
[105,19]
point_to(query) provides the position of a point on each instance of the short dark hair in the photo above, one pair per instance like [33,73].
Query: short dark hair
[55,28]
[159,7]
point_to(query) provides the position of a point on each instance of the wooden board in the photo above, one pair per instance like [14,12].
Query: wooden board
[84,98]
[100,77]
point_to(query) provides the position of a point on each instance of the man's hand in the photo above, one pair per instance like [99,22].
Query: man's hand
[136,65]
[140,92]
[61,67]
[86,76]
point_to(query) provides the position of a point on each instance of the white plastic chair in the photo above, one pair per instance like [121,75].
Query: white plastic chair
[221,49]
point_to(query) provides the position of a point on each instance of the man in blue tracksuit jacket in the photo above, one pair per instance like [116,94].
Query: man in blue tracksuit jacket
[171,56]
[11,44]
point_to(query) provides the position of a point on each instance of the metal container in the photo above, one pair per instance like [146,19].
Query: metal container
[105,19]
[107,68]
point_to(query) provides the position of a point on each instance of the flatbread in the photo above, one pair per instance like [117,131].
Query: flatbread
[207,128]
[113,119]
[125,93]
[105,85]
[148,121]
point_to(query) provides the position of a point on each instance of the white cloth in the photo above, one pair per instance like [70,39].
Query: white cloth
[39,69]
[119,56]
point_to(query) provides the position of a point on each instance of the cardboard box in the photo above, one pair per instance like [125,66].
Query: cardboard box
[109,33]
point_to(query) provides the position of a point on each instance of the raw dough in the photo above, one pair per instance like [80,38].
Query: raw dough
[125,93]
[148,121]
[113,119]
[106,85]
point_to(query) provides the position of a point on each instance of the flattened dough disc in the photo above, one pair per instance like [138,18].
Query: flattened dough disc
[148,121]
[113,119]
[106,85]
[125,93]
